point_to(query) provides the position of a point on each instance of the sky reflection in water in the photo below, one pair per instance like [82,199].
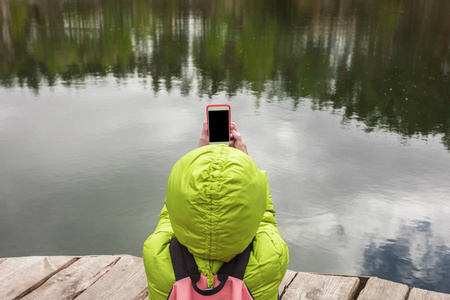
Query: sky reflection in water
[345,104]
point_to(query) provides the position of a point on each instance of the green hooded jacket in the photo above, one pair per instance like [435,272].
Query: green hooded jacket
[217,202]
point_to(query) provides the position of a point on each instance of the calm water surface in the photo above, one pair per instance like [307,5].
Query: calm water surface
[346,104]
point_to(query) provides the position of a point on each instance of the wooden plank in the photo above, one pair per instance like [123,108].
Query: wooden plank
[20,275]
[72,281]
[377,288]
[419,294]
[123,277]
[315,286]
[126,280]
[288,277]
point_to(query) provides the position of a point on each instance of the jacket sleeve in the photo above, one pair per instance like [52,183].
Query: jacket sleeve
[265,270]
[157,262]
[269,258]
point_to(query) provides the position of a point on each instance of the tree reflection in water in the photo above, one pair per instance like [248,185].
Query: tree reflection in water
[383,63]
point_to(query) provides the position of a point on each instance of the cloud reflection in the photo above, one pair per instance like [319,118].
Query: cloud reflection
[414,257]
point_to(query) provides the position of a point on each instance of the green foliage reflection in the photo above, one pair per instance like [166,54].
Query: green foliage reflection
[385,63]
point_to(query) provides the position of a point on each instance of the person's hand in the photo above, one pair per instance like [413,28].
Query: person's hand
[236,139]
[204,138]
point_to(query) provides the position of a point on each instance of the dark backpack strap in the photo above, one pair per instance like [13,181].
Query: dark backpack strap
[236,267]
[182,260]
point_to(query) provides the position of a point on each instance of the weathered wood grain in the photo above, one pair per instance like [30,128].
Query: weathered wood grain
[419,294]
[72,281]
[288,277]
[125,280]
[315,286]
[377,288]
[20,275]
[123,277]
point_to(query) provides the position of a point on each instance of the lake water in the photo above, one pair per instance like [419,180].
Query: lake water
[346,104]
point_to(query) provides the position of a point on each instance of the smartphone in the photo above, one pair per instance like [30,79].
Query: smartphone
[219,119]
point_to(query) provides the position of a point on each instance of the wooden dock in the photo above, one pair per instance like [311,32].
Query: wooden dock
[123,277]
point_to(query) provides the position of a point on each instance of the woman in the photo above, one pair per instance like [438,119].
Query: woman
[217,203]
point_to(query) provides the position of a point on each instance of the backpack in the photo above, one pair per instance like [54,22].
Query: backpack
[190,285]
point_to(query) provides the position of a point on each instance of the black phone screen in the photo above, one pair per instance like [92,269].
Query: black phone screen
[218,125]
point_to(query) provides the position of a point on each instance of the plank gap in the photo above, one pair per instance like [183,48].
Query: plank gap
[362,284]
[377,288]
[287,285]
[126,280]
[68,282]
[407,294]
[105,270]
[143,295]
[46,278]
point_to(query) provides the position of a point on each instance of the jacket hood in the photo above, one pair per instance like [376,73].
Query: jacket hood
[216,198]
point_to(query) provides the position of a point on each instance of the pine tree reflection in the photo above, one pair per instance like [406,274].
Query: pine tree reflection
[379,62]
